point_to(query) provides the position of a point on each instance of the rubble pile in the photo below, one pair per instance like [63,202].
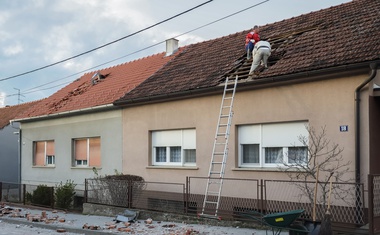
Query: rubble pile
[121,224]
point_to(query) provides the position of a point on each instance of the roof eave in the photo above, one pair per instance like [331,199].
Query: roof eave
[95,109]
[320,74]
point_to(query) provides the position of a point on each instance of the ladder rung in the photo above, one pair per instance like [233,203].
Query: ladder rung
[214,182]
[213,193]
[228,98]
[224,116]
[217,162]
[211,202]
[214,172]
[219,153]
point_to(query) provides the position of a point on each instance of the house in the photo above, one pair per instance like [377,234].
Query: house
[322,73]
[76,132]
[9,143]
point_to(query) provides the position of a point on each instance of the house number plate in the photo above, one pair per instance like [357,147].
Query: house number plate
[343,128]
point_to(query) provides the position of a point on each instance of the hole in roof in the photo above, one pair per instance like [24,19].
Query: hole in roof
[279,45]
[96,78]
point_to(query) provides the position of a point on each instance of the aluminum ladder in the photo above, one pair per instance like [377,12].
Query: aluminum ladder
[219,153]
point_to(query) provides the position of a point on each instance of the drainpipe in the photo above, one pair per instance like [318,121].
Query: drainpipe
[358,203]
[18,157]
[373,67]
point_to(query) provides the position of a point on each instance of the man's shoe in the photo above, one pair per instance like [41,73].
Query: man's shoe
[250,77]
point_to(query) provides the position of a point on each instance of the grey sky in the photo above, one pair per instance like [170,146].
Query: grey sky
[36,33]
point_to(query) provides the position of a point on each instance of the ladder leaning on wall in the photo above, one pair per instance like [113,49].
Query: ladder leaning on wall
[219,153]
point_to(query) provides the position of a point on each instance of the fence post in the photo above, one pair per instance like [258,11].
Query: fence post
[129,195]
[370,204]
[261,200]
[24,193]
[186,196]
[52,197]
[85,190]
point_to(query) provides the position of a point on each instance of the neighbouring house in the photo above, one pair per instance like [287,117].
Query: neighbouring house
[9,143]
[76,132]
[322,73]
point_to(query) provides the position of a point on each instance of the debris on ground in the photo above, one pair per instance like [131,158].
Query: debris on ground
[63,222]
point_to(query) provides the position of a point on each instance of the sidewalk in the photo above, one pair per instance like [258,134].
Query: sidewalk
[19,220]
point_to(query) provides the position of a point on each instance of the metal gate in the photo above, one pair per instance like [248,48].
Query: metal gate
[374,203]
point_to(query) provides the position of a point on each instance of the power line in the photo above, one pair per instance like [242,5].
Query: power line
[28,91]
[107,44]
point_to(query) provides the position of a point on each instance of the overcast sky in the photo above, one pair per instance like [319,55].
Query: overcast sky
[38,33]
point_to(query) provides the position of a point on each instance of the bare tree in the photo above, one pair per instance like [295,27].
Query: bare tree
[324,159]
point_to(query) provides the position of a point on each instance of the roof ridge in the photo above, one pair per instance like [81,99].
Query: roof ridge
[124,63]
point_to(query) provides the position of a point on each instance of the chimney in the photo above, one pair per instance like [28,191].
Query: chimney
[171,46]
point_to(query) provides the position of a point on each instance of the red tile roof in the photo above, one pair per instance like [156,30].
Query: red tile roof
[82,93]
[346,34]
[10,112]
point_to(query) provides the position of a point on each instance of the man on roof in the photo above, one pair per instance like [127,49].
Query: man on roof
[250,39]
[261,53]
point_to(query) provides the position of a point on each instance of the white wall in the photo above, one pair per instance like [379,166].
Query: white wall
[107,125]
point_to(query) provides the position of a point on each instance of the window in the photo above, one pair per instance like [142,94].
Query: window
[86,152]
[297,154]
[175,147]
[43,153]
[272,145]
[50,160]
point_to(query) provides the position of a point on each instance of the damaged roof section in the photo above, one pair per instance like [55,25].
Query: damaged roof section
[279,44]
[99,88]
[343,35]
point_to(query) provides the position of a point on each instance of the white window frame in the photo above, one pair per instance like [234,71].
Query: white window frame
[281,135]
[86,162]
[81,163]
[183,138]
[50,160]
[46,161]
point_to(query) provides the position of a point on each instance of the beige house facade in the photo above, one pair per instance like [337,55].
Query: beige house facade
[279,110]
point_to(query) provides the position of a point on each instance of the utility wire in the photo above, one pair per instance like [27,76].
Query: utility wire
[89,69]
[31,90]
[107,44]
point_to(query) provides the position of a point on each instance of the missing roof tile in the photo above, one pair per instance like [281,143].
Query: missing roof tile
[279,46]
[96,78]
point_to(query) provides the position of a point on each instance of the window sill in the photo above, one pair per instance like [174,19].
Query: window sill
[174,167]
[266,169]
[85,168]
[43,166]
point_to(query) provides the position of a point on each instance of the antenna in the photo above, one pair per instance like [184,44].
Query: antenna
[18,95]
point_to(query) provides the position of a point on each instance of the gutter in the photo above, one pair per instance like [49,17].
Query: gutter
[373,67]
[67,113]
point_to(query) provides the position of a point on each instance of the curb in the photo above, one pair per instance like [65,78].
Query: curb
[54,227]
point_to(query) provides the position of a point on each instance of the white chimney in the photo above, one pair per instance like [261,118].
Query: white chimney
[2,99]
[171,46]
